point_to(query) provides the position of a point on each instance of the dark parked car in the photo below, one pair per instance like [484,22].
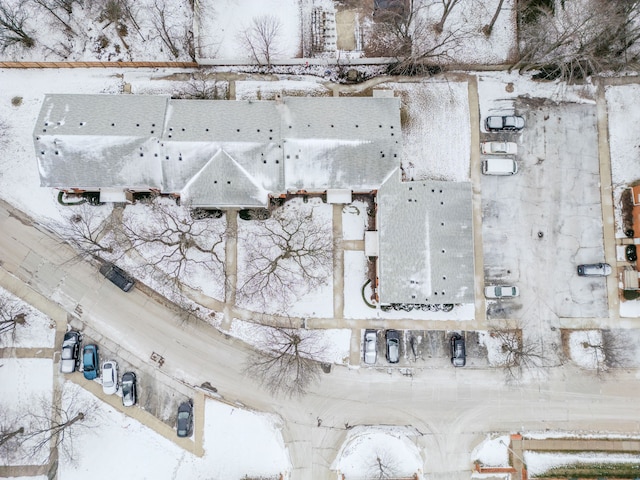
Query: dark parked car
[458,353]
[129,392]
[90,361]
[594,270]
[393,345]
[185,419]
[70,351]
[631,253]
[118,276]
[504,123]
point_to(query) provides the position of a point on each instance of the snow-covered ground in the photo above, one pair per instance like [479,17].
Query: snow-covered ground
[237,443]
[38,330]
[367,451]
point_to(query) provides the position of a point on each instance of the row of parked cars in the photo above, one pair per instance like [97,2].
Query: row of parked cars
[89,362]
[392,347]
[501,165]
[70,361]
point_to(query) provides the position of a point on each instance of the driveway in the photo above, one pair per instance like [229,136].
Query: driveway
[539,224]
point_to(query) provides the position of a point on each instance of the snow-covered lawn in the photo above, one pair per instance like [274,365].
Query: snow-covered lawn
[583,348]
[332,345]
[369,450]
[540,462]
[237,442]
[492,452]
[38,330]
[435,129]
[222,24]
[25,387]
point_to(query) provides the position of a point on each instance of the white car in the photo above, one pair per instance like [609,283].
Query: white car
[109,377]
[499,148]
[370,348]
[501,291]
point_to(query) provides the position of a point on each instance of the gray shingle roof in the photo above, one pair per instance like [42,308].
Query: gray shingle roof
[131,141]
[426,242]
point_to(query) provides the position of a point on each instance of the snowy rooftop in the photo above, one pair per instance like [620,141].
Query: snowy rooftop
[216,153]
[426,242]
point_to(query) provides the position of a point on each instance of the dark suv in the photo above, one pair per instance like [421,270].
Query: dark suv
[185,419]
[392,338]
[117,276]
[458,354]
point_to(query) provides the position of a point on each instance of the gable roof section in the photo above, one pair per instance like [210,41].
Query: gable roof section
[93,141]
[344,142]
[426,242]
[223,182]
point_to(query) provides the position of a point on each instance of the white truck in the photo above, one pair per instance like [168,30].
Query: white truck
[499,148]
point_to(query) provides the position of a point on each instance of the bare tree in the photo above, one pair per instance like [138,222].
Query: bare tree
[517,355]
[160,19]
[382,467]
[487,29]
[11,429]
[12,26]
[53,7]
[173,241]
[53,424]
[199,87]
[607,349]
[261,38]
[86,230]
[576,41]
[447,7]
[12,314]
[289,361]
[289,255]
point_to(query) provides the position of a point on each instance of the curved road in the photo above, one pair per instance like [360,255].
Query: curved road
[451,409]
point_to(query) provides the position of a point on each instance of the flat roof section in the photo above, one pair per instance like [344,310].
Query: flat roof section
[426,242]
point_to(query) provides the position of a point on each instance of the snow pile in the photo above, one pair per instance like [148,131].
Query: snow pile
[367,452]
[492,452]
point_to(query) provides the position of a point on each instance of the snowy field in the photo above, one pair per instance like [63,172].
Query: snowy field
[237,443]
[37,331]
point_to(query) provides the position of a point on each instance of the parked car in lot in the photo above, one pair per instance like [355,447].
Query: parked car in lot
[631,253]
[185,419]
[594,270]
[499,166]
[70,351]
[499,148]
[90,361]
[129,389]
[458,352]
[504,123]
[109,377]
[370,347]
[501,291]
[117,276]
[392,338]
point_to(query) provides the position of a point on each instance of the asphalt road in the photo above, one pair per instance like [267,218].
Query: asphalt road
[451,410]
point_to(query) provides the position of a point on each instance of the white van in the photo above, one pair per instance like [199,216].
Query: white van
[499,166]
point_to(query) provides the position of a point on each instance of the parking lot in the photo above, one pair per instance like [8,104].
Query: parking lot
[430,349]
[155,395]
[539,224]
